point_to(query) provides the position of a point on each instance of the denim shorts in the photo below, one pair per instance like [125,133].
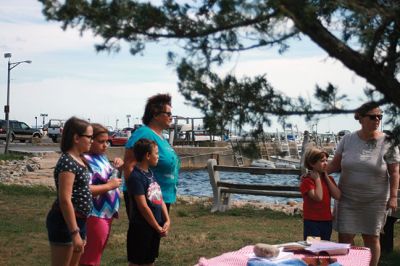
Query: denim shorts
[58,231]
[322,229]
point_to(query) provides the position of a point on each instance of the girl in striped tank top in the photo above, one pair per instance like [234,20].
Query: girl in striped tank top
[105,196]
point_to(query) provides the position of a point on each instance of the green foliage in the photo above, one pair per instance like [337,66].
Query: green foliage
[250,150]
[182,213]
[11,156]
[18,190]
[363,35]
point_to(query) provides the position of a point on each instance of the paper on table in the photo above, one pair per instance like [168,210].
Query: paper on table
[293,246]
[331,248]
[282,256]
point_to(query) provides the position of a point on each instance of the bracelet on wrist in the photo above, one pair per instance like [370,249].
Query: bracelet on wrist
[74,232]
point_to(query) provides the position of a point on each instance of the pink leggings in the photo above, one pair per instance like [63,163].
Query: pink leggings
[98,231]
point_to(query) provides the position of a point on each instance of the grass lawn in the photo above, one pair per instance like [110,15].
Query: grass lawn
[195,231]
[11,156]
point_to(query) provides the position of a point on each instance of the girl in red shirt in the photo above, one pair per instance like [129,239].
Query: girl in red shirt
[317,188]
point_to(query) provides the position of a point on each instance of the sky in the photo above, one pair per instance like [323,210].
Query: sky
[68,77]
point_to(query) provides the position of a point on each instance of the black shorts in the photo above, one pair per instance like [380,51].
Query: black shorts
[57,229]
[143,243]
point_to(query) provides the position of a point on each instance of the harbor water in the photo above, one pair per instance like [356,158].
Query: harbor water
[197,183]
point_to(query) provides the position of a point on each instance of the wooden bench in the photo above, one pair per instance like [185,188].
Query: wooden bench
[222,190]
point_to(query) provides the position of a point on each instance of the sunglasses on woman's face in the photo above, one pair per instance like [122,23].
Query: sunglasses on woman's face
[374,117]
[167,113]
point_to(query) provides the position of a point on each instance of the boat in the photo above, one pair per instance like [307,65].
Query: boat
[263,163]
[285,165]
[286,162]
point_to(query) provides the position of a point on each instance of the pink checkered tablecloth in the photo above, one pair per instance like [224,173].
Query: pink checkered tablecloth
[358,256]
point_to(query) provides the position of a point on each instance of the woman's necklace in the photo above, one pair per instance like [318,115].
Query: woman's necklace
[370,139]
[371,143]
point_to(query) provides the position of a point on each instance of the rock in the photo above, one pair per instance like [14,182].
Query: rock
[29,168]
[297,211]
[26,172]
[36,159]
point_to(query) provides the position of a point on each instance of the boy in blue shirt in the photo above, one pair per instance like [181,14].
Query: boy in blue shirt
[148,219]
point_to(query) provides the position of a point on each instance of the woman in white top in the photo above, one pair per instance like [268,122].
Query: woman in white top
[369,166]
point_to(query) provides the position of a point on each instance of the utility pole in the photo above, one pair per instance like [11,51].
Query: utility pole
[10,66]
[128,117]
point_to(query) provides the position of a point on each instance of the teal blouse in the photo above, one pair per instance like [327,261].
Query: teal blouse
[167,170]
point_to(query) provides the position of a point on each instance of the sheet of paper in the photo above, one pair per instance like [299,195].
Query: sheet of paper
[283,255]
[331,247]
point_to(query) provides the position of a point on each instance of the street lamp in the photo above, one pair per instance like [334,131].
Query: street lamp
[128,116]
[44,118]
[36,122]
[7,107]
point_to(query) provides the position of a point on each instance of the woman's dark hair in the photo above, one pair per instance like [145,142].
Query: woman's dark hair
[154,106]
[312,156]
[364,109]
[142,147]
[73,126]
[98,129]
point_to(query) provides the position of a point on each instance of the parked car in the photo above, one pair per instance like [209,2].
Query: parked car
[55,128]
[118,138]
[19,131]
[110,130]
[130,129]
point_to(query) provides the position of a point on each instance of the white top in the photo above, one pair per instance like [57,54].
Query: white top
[364,184]
[364,174]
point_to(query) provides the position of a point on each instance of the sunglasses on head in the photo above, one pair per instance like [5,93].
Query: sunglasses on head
[374,117]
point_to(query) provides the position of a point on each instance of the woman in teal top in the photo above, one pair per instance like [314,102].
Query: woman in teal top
[157,117]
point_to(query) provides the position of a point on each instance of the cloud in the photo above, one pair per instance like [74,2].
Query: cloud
[299,76]
[27,32]
[100,101]
[28,39]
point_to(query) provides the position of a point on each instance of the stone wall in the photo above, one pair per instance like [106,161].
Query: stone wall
[191,157]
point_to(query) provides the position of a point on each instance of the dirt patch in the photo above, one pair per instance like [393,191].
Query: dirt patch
[32,171]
